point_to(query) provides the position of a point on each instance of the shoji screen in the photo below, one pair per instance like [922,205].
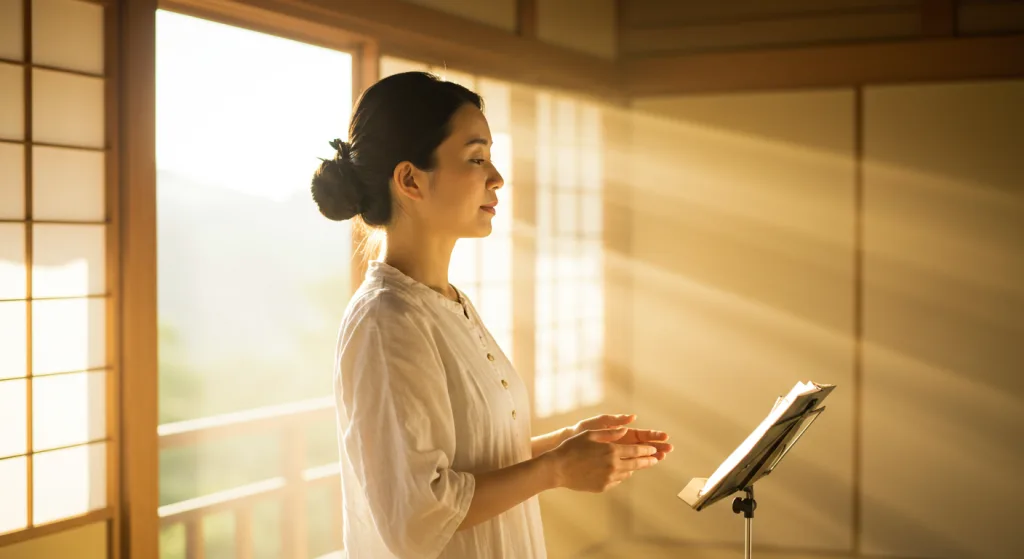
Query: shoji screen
[569,288]
[54,295]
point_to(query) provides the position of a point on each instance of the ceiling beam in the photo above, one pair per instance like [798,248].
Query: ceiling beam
[411,31]
[946,59]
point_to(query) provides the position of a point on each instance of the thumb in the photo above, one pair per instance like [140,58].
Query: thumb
[608,435]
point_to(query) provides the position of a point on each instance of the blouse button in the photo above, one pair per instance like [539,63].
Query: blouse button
[490,357]
[504,383]
[513,414]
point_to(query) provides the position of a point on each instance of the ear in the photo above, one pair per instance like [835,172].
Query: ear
[410,181]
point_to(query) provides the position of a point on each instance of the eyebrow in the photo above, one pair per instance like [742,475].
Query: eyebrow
[482,141]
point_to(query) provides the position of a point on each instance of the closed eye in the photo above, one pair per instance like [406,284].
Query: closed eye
[478,161]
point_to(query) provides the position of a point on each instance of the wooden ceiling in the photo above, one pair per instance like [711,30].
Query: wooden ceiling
[675,47]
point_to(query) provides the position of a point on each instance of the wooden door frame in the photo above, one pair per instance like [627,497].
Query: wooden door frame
[135,530]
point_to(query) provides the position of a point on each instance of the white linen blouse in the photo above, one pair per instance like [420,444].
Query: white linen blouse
[425,400]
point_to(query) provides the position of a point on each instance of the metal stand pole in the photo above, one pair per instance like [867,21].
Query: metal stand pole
[747,543]
[746,507]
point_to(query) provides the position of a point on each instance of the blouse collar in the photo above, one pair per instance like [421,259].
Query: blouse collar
[378,268]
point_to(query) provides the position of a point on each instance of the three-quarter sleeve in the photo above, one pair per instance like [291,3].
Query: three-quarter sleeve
[399,431]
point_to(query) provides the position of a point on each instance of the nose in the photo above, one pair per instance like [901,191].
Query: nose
[495,181]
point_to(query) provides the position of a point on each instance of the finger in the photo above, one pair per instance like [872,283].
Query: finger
[627,451]
[647,435]
[615,420]
[607,435]
[662,447]
[641,463]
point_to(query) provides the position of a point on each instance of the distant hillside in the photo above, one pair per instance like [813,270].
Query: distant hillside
[250,289]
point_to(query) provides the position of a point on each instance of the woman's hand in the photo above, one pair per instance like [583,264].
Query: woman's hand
[633,436]
[590,461]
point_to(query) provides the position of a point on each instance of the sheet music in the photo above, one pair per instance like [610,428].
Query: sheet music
[800,395]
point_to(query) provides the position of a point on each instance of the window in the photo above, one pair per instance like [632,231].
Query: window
[569,302]
[482,268]
[54,298]
[253,281]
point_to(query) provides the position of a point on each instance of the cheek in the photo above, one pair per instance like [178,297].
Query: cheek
[460,192]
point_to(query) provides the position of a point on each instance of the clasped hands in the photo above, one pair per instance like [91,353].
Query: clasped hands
[630,436]
[601,452]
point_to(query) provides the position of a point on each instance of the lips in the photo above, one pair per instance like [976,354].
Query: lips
[489,208]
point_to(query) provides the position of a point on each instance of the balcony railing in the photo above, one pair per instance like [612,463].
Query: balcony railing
[289,421]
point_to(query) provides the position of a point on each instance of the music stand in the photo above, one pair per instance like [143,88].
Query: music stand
[765,455]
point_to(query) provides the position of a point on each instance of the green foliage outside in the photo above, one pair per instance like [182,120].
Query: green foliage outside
[244,381]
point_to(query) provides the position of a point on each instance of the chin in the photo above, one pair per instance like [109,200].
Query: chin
[479,231]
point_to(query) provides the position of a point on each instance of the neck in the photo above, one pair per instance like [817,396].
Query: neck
[422,257]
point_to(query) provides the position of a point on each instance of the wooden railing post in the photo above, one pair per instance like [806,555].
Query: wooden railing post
[294,533]
[195,547]
[243,532]
[291,421]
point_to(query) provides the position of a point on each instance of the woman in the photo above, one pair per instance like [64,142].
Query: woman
[434,424]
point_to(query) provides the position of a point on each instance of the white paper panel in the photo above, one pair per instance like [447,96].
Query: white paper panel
[13,344]
[67,109]
[68,184]
[591,216]
[68,335]
[12,42]
[12,261]
[68,409]
[497,104]
[14,480]
[496,265]
[13,414]
[68,34]
[12,181]
[12,102]
[68,260]
[69,482]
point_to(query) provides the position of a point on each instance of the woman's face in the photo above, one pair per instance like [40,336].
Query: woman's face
[460,195]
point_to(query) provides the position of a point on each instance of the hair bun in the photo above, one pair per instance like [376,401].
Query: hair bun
[335,186]
[343,148]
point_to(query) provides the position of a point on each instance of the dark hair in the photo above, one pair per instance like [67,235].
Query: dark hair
[403,117]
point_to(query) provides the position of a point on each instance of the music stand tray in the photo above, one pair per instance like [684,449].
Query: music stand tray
[759,455]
